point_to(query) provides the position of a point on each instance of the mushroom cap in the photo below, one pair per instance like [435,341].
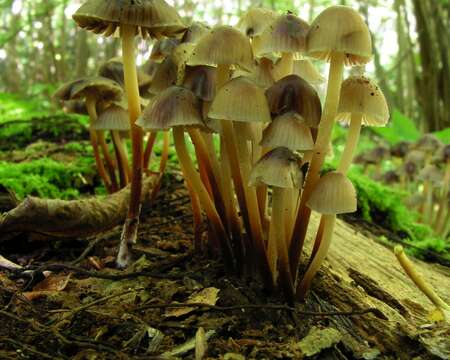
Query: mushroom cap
[292,93]
[261,74]
[163,48]
[340,29]
[334,194]
[240,99]
[306,70]
[279,167]
[428,143]
[360,95]
[432,174]
[175,106]
[114,117]
[377,154]
[151,17]
[288,130]
[400,149]
[416,156]
[201,81]
[74,107]
[194,32]
[214,48]
[287,33]
[255,20]
[164,77]
[391,177]
[443,155]
[100,87]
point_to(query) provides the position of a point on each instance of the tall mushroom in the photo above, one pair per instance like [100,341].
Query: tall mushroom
[147,18]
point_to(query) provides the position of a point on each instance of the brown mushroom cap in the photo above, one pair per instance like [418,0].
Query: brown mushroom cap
[175,106]
[443,155]
[163,48]
[214,48]
[165,76]
[292,93]
[333,194]
[201,81]
[279,167]
[401,149]
[432,174]
[194,32]
[288,130]
[255,20]
[114,117]
[428,143]
[340,29]
[286,34]
[360,95]
[240,99]
[100,87]
[151,17]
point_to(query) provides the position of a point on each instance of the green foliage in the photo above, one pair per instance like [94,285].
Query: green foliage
[444,135]
[400,128]
[47,178]
[15,107]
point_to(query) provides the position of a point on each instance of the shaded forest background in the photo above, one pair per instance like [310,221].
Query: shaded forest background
[40,46]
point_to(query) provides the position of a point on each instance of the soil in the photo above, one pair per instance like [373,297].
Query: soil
[69,301]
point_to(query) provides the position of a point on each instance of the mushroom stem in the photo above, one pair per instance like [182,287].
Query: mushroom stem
[122,160]
[352,141]
[323,138]
[90,106]
[420,282]
[191,175]
[162,165]
[129,232]
[279,237]
[197,217]
[108,160]
[285,65]
[149,148]
[328,223]
[443,201]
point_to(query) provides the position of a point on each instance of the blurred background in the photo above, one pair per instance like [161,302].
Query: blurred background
[40,46]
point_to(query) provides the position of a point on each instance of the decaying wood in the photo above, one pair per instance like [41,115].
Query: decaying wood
[70,218]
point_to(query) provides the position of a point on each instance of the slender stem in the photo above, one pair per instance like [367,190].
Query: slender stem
[110,165]
[197,217]
[350,146]
[191,175]
[315,264]
[90,106]
[278,226]
[162,165]
[122,160]
[290,205]
[129,232]
[443,201]
[149,148]
[323,138]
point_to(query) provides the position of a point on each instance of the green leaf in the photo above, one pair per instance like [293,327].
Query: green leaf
[443,135]
[400,128]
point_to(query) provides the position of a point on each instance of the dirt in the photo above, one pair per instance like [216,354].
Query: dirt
[74,304]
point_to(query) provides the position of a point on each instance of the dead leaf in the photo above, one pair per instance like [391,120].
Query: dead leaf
[8,264]
[51,284]
[207,296]
[319,339]
[200,344]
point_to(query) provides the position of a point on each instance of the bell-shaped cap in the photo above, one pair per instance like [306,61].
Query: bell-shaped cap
[340,29]
[286,34]
[201,81]
[279,167]
[333,194]
[292,93]
[164,77]
[151,17]
[360,95]
[288,130]
[223,45]
[261,74]
[401,149]
[255,20]
[428,143]
[114,117]
[163,48]
[306,70]
[175,106]
[432,174]
[442,156]
[99,87]
[240,99]
[194,32]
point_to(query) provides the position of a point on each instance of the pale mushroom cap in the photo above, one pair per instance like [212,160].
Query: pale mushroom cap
[288,130]
[306,70]
[194,32]
[293,93]
[255,20]
[114,117]
[175,106]
[261,74]
[432,174]
[163,48]
[286,34]
[334,194]
[240,99]
[360,95]
[279,167]
[340,29]
[151,17]
[223,45]
[100,87]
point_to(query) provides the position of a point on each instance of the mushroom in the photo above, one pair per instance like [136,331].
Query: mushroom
[253,22]
[444,158]
[146,17]
[280,169]
[194,32]
[163,48]
[306,70]
[334,194]
[432,179]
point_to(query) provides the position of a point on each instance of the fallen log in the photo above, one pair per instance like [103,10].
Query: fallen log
[70,218]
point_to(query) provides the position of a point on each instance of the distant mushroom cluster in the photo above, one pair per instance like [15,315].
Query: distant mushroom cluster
[422,168]
[246,98]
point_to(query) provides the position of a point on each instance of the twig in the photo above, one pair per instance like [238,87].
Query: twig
[374,311]
[30,349]
[86,251]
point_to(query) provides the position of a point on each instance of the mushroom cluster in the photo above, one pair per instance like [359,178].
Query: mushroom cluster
[421,168]
[246,97]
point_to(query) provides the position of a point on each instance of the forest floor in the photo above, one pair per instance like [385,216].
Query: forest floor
[69,301]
